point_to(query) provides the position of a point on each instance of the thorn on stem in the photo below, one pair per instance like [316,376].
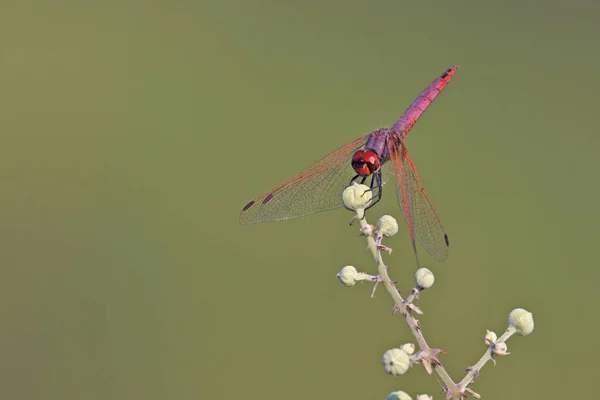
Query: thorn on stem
[427,364]
[374,288]
[384,248]
[415,308]
[429,358]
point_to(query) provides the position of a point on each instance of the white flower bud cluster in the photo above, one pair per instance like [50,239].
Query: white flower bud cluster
[395,361]
[521,321]
[408,348]
[387,226]
[490,338]
[399,395]
[424,397]
[424,278]
[357,197]
[347,275]
[500,349]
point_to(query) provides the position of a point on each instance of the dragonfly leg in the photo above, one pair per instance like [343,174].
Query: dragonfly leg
[376,184]
[362,181]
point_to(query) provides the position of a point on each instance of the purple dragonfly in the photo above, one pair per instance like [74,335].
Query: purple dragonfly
[319,188]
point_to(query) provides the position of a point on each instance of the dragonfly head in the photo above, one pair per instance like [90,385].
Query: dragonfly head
[366,162]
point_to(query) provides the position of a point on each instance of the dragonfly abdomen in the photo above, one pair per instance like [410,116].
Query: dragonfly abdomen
[412,114]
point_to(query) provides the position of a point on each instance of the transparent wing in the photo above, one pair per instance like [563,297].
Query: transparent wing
[419,214]
[319,188]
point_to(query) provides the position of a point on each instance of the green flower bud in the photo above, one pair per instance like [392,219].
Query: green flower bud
[490,338]
[424,278]
[395,362]
[347,275]
[356,196]
[408,348]
[388,226]
[399,395]
[521,320]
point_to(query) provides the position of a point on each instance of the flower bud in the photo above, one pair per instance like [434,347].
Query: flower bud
[424,397]
[424,278]
[388,226]
[399,395]
[395,362]
[490,338]
[521,320]
[500,349]
[347,275]
[408,348]
[367,230]
[356,196]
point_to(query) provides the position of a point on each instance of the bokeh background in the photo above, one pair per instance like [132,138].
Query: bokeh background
[131,134]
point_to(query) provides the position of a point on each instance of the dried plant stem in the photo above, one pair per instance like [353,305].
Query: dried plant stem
[473,371]
[398,360]
[404,307]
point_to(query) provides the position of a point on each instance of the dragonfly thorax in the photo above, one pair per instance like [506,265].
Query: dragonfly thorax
[365,162]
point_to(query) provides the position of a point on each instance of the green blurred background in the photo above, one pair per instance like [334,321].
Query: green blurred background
[131,134]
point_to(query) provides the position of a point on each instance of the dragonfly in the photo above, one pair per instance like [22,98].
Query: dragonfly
[319,187]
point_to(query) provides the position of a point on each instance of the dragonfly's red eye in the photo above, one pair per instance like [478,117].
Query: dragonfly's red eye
[365,163]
